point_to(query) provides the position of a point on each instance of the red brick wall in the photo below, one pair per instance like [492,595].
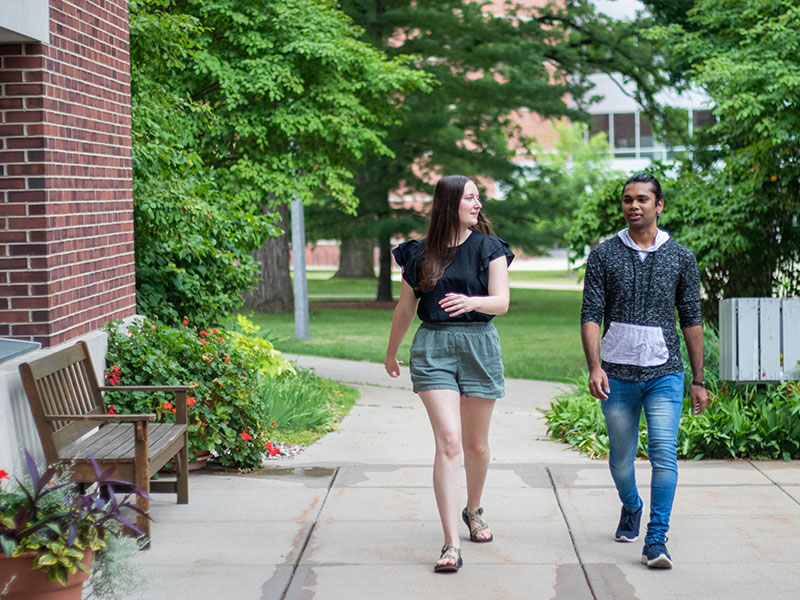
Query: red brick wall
[66,202]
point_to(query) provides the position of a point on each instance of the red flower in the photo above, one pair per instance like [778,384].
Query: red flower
[205,343]
[227,359]
[219,337]
[214,331]
[272,450]
[186,321]
[4,474]
[112,410]
[167,406]
[245,436]
[274,424]
[201,332]
[113,376]
[191,400]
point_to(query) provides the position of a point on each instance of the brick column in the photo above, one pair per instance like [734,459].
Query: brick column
[66,201]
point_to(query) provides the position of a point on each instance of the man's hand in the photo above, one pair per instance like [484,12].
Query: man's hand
[598,384]
[700,399]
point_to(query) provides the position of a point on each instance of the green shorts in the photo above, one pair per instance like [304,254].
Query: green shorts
[464,357]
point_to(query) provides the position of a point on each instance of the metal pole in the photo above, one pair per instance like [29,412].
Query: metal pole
[301,330]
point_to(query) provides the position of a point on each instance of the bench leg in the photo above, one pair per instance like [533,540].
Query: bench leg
[142,479]
[182,468]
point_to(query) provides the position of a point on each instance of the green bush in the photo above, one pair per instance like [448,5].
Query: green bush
[759,422]
[224,415]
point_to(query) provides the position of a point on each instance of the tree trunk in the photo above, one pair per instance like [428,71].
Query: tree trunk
[356,259]
[385,273]
[273,293]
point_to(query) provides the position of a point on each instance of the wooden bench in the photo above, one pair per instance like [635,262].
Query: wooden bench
[67,405]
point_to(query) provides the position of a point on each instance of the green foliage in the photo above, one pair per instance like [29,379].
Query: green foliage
[268,360]
[576,419]
[537,211]
[237,106]
[737,200]
[742,422]
[295,95]
[192,245]
[115,572]
[302,402]
[746,422]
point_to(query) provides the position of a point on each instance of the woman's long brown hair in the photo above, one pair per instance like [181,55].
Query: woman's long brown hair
[442,238]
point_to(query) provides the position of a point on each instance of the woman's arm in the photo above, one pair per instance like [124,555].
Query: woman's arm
[496,303]
[403,316]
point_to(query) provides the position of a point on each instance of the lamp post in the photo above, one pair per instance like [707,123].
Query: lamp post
[301,330]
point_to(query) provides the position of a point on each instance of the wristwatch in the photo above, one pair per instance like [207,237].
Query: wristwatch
[702,383]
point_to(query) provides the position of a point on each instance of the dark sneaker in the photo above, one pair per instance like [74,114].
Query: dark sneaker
[628,528]
[655,555]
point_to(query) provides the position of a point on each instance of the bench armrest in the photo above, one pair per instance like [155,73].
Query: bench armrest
[108,418]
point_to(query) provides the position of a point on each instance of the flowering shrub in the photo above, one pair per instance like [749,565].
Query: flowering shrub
[224,414]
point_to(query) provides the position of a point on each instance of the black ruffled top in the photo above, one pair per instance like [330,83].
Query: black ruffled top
[468,274]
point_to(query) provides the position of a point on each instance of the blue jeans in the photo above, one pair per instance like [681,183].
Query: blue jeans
[662,400]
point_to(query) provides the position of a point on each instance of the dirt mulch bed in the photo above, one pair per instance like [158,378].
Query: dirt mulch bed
[354,304]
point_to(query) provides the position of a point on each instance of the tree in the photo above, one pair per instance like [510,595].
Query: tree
[486,66]
[736,202]
[276,99]
[192,251]
[298,100]
[744,54]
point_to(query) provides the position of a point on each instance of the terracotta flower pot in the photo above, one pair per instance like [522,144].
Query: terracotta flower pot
[32,584]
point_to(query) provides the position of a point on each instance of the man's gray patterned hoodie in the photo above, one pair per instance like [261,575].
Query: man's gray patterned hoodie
[633,293]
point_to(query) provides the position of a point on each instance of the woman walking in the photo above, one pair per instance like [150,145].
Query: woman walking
[455,280]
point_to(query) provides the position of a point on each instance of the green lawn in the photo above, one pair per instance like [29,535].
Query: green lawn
[321,283]
[543,276]
[540,335]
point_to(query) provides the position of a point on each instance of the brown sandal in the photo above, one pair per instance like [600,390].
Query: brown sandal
[482,526]
[451,553]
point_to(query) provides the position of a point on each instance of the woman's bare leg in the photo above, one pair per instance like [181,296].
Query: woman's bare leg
[443,408]
[476,417]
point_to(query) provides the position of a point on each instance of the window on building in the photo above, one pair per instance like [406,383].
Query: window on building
[701,118]
[599,125]
[646,139]
[625,135]
[621,131]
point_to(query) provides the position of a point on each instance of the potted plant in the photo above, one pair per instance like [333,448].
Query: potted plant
[49,531]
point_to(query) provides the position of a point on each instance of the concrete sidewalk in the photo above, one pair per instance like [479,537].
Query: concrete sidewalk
[354,517]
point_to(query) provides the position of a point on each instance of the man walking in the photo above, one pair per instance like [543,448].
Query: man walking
[634,282]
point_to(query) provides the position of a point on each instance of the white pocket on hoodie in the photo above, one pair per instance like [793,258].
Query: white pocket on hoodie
[638,345]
